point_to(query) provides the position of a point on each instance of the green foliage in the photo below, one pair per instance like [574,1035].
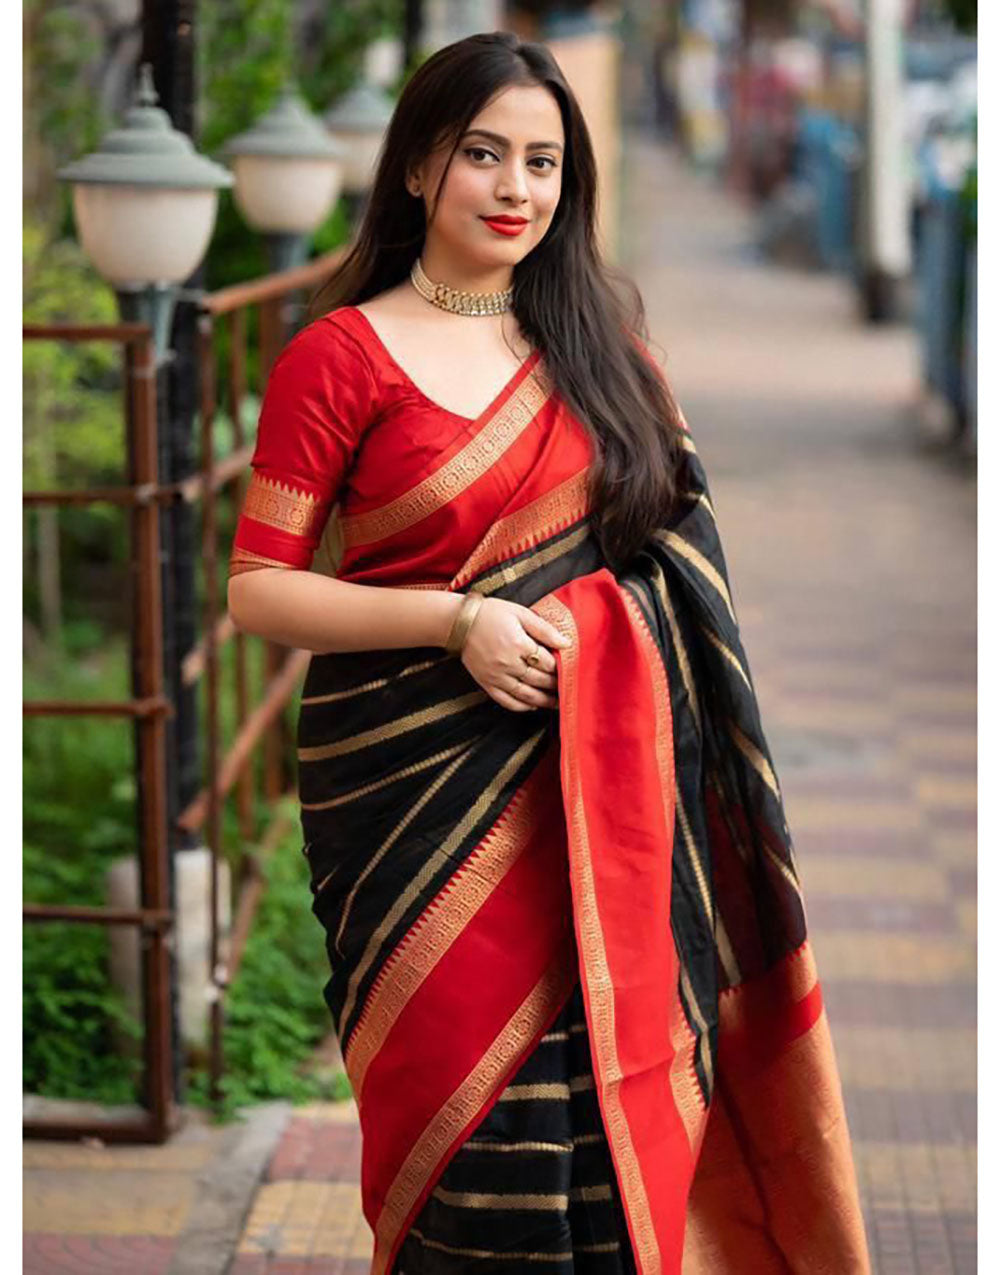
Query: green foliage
[63,118]
[73,409]
[78,815]
[79,791]
[248,50]
[275,1014]
[72,1017]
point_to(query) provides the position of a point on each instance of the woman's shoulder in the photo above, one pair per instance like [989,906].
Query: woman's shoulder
[339,332]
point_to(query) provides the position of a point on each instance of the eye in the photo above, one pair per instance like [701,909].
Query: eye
[547,159]
[477,150]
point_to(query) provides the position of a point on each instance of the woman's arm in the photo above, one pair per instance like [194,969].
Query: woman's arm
[318,613]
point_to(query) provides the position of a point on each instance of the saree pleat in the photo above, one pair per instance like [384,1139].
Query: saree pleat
[535,1183]
[570,972]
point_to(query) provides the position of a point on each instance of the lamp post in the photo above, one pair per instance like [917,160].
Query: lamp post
[145,204]
[357,121]
[288,174]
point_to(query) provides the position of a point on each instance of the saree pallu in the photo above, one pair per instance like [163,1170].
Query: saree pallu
[479,871]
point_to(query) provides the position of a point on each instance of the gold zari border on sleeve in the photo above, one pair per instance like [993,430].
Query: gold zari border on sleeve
[243,560]
[276,505]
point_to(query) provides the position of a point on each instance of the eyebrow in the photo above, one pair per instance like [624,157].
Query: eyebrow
[505,141]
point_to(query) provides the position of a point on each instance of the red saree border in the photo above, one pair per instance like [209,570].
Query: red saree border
[469,1105]
[490,866]
[775,1188]
[460,1024]
[613,706]
[527,526]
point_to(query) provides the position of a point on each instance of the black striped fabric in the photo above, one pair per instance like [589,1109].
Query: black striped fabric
[534,1186]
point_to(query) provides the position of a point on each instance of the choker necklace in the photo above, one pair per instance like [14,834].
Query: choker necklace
[457,301]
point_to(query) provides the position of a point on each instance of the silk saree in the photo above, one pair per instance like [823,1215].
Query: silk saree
[570,969]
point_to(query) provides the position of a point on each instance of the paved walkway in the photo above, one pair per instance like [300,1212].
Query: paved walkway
[852,555]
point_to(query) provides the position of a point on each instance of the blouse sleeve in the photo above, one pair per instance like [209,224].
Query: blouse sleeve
[319,398]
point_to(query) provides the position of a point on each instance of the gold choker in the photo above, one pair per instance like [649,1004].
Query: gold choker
[457,301]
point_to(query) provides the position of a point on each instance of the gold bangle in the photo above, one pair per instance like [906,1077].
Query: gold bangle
[467,612]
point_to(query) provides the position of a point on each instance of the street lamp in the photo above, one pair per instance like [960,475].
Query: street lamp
[358,121]
[288,173]
[145,204]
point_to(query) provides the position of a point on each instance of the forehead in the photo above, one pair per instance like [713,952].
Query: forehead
[524,113]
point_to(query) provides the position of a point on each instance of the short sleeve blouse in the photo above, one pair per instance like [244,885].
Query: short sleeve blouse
[320,397]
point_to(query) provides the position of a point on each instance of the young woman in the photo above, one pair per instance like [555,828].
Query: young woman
[570,972]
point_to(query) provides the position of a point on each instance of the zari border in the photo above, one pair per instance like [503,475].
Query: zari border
[530,1018]
[437,928]
[273,503]
[244,560]
[599,985]
[482,451]
[683,1077]
[527,526]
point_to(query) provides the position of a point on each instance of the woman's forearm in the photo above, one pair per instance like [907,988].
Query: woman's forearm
[317,613]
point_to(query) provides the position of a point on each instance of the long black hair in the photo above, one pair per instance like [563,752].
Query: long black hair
[586,317]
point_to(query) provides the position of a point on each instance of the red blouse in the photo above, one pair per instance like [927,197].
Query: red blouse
[342,424]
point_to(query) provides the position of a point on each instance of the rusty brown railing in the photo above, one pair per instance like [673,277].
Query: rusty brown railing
[267,723]
[228,764]
[149,707]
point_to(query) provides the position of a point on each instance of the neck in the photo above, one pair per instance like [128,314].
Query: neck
[466,276]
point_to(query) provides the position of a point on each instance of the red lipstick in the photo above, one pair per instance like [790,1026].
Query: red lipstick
[506,224]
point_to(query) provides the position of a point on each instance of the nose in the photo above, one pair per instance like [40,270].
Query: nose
[512,183]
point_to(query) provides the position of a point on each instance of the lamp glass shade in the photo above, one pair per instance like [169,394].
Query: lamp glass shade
[360,155]
[138,235]
[279,194]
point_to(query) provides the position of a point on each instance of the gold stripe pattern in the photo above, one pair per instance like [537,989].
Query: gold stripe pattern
[553,1089]
[482,1144]
[379,734]
[599,986]
[728,655]
[527,526]
[437,860]
[698,560]
[540,1004]
[687,677]
[435,786]
[497,1200]
[461,471]
[511,571]
[602,1191]
[437,928]
[332,696]
[276,504]
[393,777]
[519,1256]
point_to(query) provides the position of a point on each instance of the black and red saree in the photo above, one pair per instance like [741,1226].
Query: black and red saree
[571,976]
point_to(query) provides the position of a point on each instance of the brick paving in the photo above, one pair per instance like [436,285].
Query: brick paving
[852,556]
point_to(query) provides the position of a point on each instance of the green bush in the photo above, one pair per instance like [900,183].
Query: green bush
[275,1015]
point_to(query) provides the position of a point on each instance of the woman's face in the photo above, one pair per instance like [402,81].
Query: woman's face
[509,162]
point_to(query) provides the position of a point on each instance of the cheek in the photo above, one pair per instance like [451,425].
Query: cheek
[466,191]
[547,202]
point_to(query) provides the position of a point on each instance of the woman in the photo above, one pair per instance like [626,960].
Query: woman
[570,972]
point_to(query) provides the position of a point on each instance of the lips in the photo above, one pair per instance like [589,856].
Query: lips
[508,221]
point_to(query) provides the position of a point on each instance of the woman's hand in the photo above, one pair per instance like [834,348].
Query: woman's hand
[501,635]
